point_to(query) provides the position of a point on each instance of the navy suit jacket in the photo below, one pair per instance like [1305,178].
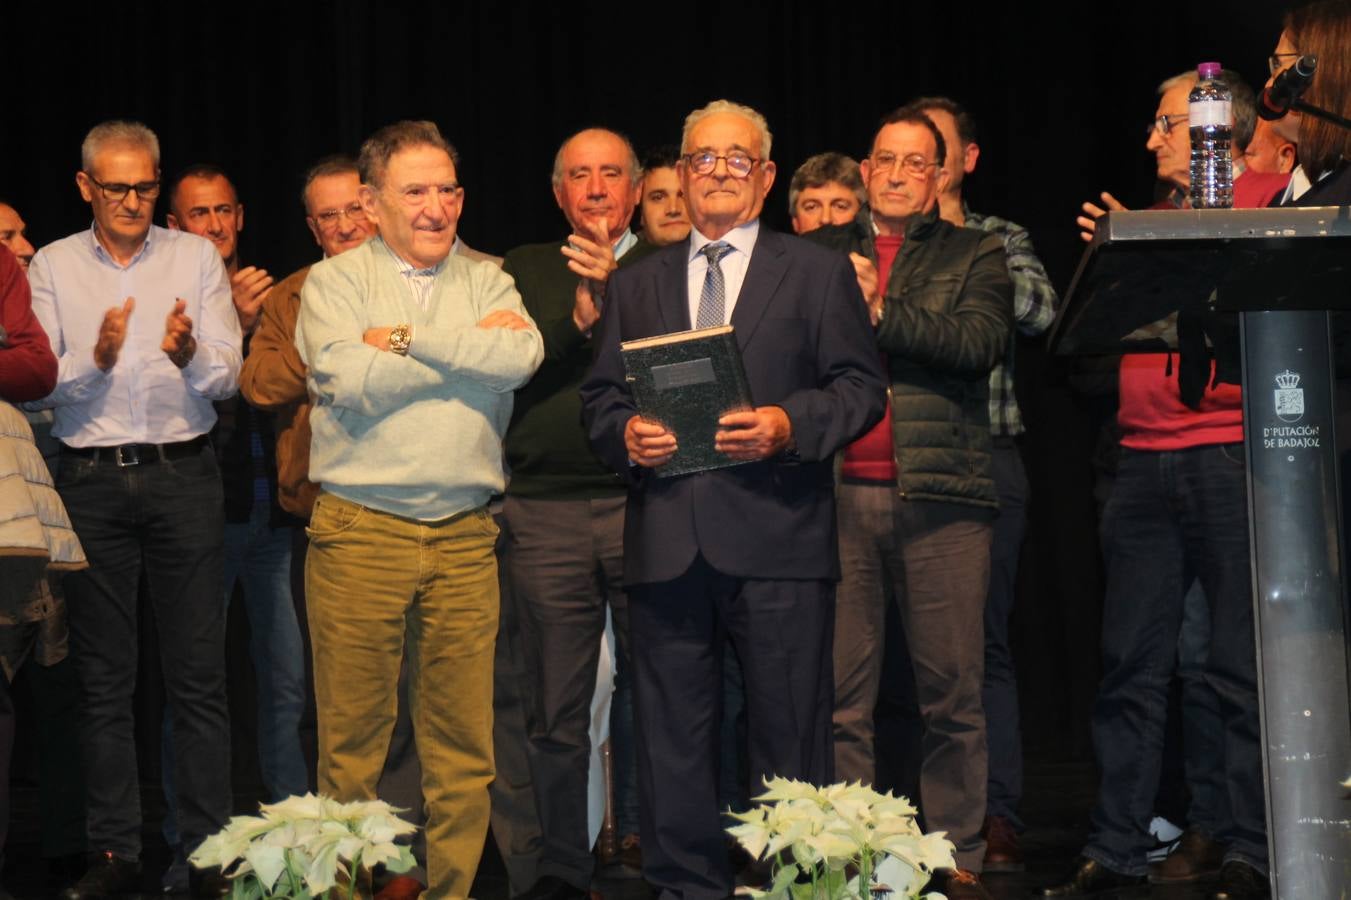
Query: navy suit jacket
[807,346]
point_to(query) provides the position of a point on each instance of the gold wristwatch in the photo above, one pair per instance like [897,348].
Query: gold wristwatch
[400,338]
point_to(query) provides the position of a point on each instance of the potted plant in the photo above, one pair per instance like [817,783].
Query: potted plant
[845,840]
[307,847]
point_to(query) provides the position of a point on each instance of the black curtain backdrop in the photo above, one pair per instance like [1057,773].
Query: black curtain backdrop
[1062,94]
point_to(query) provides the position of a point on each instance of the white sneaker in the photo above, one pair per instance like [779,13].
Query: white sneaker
[1166,835]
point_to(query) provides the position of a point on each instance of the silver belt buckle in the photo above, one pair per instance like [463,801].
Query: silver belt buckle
[131,456]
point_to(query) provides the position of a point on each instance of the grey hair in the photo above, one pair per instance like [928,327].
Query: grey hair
[1244,103]
[727,106]
[822,169]
[635,170]
[379,148]
[118,131]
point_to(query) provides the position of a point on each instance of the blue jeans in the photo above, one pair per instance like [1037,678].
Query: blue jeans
[165,516]
[259,556]
[1202,727]
[1172,516]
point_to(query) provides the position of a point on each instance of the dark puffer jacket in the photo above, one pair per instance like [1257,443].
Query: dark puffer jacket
[946,322]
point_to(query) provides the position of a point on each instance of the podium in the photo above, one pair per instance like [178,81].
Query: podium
[1281,271]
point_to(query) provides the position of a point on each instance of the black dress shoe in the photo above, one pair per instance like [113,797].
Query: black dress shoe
[65,870]
[1240,881]
[208,882]
[1091,878]
[551,887]
[106,876]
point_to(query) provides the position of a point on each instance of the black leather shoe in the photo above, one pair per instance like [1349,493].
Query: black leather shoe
[551,887]
[208,882]
[1240,881]
[1091,878]
[106,876]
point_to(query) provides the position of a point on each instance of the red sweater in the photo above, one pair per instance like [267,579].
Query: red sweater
[870,458]
[1152,415]
[27,364]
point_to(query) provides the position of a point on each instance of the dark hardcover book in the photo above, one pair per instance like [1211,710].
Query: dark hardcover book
[686,381]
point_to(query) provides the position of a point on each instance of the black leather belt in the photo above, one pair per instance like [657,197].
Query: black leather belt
[138,454]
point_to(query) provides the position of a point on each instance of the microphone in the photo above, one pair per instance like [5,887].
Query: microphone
[1288,87]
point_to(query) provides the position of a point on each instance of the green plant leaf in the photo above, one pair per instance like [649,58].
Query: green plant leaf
[403,862]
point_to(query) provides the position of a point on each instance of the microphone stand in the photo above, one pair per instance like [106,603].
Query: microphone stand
[1320,113]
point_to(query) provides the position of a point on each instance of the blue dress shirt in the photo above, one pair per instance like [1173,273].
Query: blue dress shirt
[144,397]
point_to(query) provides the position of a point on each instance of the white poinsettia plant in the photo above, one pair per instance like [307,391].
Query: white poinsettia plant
[303,847]
[845,840]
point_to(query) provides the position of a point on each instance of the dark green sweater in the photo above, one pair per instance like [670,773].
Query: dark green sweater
[546,446]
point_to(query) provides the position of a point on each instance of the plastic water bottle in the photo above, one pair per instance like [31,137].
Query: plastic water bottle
[1210,118]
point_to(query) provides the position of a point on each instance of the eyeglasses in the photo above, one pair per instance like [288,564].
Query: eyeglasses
[145,190]
[1274,61]
[328,219]
[1164,124]
[913,164]
[738,163]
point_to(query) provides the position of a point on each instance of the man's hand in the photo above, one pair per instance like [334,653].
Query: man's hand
[248,287]
[178,344]
[592,258]
[112,333]
[378,337]
[1088,225]
[866,273]
[648,443]
[754,434]
[503,318]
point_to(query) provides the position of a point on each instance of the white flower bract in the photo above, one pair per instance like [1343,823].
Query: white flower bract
[835,836]
[298,846]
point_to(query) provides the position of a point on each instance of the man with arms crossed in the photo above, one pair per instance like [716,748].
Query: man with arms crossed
[412,355]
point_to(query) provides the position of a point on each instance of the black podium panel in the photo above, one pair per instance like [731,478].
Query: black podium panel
[1144,266]
[1297,577]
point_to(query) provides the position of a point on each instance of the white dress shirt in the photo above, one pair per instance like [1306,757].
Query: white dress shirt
[144,397]
[742,239]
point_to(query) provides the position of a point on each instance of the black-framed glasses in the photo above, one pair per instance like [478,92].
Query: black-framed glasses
[1164,124]
[116,190]
[1274,61]
[913,164]
[738,164]
[328,219]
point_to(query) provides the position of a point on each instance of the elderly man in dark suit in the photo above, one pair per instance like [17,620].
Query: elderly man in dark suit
[747,550]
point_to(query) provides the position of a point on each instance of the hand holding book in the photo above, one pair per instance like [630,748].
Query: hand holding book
[753,434]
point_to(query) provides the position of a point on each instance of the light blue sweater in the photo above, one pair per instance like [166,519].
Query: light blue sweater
[419,436]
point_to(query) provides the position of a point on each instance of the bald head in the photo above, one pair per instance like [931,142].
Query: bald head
[596,180]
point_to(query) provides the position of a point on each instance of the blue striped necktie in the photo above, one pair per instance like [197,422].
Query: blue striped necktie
[713,298]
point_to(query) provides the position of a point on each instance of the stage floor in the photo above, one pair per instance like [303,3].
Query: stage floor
[1058,796]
